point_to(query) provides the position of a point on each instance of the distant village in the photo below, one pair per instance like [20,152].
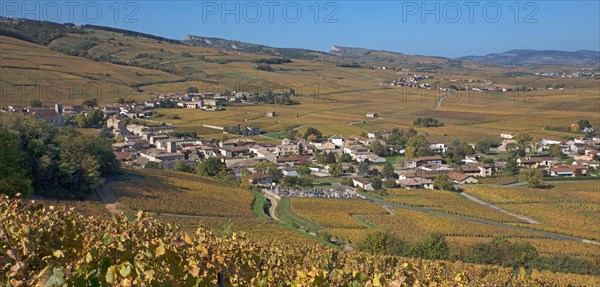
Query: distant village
[353,158]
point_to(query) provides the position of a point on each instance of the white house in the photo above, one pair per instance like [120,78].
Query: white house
[337,140]
[362,183]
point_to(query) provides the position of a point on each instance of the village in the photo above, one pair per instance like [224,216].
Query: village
[299,163]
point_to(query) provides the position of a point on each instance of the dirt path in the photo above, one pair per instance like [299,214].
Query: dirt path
[489,205]
[108,198]
[274,201]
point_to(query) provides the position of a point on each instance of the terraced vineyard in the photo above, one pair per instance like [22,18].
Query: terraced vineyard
[335,213]
[446,201]
[567,208]
[190,200]
[147,252]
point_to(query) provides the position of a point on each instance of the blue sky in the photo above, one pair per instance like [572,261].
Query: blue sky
[461,28]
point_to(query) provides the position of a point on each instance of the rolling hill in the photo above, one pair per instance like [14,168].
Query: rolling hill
[538,58]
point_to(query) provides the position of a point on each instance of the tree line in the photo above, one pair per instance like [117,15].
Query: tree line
[37,158]
[498,251]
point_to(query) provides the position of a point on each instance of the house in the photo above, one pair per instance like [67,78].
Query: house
[291,161]
[337,140]
[419,161]
[130,139]
[194,105]
[160,155]
[214,102]
[508,135]
[435,167]
[234,151]
[260,178]
[289,171]
[124,157]
[568,170]
[368,156]
[461,178]
[287,149]
[362,183]
[115,123]
[535,162]
[49,115]
[416,183]
[438,147]
[478,169]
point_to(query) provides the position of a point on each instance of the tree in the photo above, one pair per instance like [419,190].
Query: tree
[90,103]
[344,158]
[484,145]
[376,183]
[289,181]
[362,168]
[512,166]
[210,167]
[303,170]
[183,167]
[388,171]
[313,131]
[335,169]
[555,151]
[443,182]
[433,246]
[35,103]
[377,148]
[191,90]
[306,181]
[420,145]
[13,175]
[583,123]
[533,177]
[410,152]
[390,183]
[523,140]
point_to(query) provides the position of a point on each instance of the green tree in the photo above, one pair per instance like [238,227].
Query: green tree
[212,166]
[533,177]
[306,181]
[362,168]
[388,171]
[313,131]
[443,182]
[183,167]
[191,90]
[303,170]
[484,145]
[344,158]
[524,140]
[555,151]
[335,169]
[376,183]
[13,174]
[377,148]
[433,246]
[91,103]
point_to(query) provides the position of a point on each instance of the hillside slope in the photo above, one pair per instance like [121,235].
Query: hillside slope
[72,249]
